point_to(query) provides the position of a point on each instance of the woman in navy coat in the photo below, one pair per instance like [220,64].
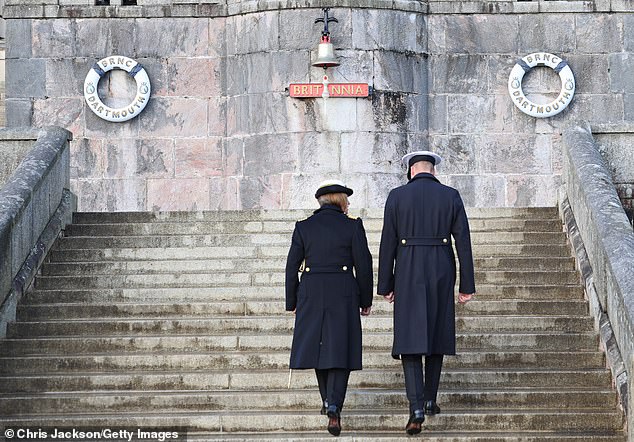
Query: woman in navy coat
[328,299]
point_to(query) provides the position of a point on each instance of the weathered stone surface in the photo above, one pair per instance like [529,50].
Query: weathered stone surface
[88,159]
[388,30]
[527,154]
[18,38]
[63,112]
[198,157]
[438,114]
[223,193]
[479,190]
[465,112]
[546,32]
[590,26]
[392,112]
[459,74]
[337,114]
[25,78]
[628,32]
[320,152]
[107,195]
[459,152]
[100,38]
[621,66]
[618,153]
[532,190]
[400,71]
[591,73]
[175,37]
[368,153]
[606,108]
[19,112]
[190,194]
[478,34]
[261,192]
[54,38]
[253,33]
[194,77]
[270,154]
[72,70]
[233,156]
[174,117]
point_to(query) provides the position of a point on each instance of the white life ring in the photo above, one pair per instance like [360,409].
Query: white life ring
[142,88]
[524,65]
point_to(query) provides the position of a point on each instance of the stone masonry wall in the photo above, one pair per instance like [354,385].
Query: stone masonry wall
[220,131]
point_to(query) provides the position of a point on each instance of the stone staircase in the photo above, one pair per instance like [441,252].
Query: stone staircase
[177,319]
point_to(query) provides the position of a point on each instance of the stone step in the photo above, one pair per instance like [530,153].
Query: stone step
[279,239]
[267,264]
[430,436]
[290,400]
[130,377]
[263,324]
[499,251]
[537,342]
[124,351]
[255,422]
[98,229]
[38,312]
[266,293]
[505,213]
[239,278]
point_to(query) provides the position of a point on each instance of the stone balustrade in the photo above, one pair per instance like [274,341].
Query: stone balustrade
[35,205]
[600,230]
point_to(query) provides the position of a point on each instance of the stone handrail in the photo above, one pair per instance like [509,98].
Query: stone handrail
[608,240]
[35,205]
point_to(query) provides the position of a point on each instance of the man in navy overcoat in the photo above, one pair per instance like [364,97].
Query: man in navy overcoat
[417,272]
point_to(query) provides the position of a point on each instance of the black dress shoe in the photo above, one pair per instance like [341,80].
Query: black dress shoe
[334,420]
[414,423]
[431,408]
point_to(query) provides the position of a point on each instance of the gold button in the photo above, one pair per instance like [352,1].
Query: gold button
[345,268]
[444,240]
[403,241]
[308,269]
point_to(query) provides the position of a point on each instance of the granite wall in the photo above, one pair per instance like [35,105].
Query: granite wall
[221,132]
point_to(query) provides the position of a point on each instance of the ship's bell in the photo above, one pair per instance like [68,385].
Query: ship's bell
[325,54]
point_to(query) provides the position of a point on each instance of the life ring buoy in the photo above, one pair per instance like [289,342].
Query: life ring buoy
[524,65]
[135,70]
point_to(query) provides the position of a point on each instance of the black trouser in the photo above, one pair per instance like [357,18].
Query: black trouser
[333,383]
[421,388]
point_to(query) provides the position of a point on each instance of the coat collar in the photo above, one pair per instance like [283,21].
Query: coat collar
[423,175]
[329,207]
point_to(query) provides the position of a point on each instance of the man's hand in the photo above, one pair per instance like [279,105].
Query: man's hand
[463,298]
[389,297]
[365,311]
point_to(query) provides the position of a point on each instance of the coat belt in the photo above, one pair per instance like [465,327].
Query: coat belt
[426,241]
[328,269]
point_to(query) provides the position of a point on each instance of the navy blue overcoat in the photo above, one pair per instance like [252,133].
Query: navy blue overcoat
[327,299]
[416,262]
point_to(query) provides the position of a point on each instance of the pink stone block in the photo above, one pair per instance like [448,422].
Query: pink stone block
[194,77]
[198,157]
[178,194]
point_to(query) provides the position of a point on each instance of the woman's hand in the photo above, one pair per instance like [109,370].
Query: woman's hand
[389,297]
[365,311]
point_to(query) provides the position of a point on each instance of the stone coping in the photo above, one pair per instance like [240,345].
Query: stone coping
[613,128]
[607,236]
[180,8]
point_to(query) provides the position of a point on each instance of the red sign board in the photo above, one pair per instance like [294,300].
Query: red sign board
[315,90]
